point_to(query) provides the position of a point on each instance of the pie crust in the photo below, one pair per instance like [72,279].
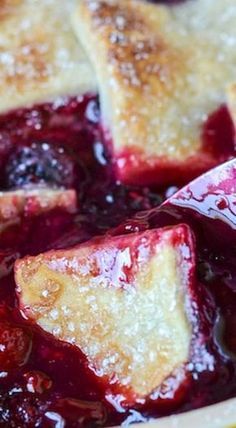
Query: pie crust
[131,307]
[40,58]
[161,71]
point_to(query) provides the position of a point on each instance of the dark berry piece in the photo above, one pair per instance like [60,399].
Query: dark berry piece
[15,345]
[37,382]
[21,409]
[39,163]
[79,413]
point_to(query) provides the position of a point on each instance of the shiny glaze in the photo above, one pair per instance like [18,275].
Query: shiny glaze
[52,383]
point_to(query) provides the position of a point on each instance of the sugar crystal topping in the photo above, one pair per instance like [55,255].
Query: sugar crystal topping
[126,310]
[161,70]
[40,57]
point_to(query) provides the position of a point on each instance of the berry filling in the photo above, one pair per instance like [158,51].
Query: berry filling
[48,383]
[40,163]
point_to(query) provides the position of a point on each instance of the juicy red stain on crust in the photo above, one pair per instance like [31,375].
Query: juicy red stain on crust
[219,134]
[132,167]
[218,145]
[51,384]
[124,258]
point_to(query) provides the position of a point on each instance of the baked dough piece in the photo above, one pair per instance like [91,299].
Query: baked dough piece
[34,201]
[40,57]
[129,311]
[232,102]
[161,71]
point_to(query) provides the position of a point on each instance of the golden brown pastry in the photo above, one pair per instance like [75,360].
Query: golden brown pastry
[161,71]
[232,102]
[122,300]
[33,201]
[40,57]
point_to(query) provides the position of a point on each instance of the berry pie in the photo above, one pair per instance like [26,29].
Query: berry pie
[117,213]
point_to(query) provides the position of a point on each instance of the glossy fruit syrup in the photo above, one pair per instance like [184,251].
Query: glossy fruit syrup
[46,383]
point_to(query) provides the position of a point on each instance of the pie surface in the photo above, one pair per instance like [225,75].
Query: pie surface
[161,71]
[117,284]
[129,309]
[40,58]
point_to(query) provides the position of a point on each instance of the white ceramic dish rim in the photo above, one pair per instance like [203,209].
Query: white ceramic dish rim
[222,415]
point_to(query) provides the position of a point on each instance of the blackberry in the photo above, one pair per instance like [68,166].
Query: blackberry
[39,163]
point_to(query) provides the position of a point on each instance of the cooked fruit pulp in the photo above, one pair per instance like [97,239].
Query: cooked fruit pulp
[45,382]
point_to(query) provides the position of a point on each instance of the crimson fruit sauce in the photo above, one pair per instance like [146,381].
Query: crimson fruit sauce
[47,383]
